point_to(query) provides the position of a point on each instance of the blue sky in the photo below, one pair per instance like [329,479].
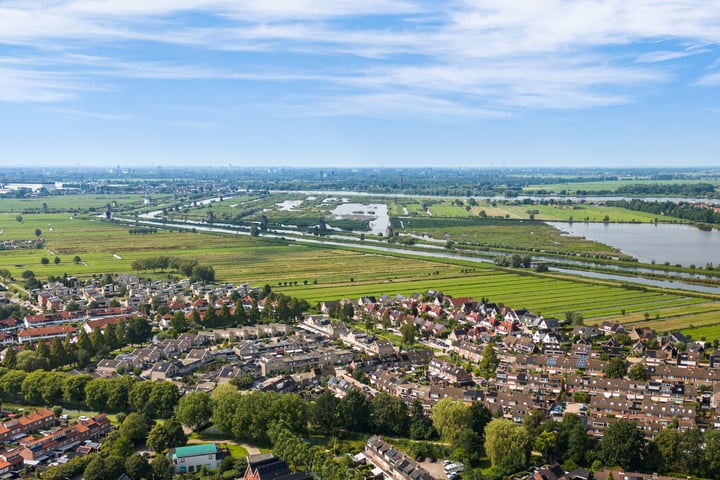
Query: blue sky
[466,83]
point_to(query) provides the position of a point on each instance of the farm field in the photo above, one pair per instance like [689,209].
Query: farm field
[76,202]
[587,212]
[547,296]
[605,185]
[319,273]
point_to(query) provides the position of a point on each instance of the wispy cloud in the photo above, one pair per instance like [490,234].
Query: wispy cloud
[94,115]
[468,57]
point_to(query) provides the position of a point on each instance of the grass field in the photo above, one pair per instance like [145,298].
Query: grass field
[508,233]
[319,273]
[67,203]
[578,213]
[608,185]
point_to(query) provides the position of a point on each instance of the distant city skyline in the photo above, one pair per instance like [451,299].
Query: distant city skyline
[347,83]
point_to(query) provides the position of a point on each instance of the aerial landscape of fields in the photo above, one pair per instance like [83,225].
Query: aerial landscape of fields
[342,240]
[331,254]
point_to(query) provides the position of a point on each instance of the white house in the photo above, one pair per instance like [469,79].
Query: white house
[192,458]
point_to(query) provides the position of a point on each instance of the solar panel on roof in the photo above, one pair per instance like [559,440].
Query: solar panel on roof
[582,363]
[552,361]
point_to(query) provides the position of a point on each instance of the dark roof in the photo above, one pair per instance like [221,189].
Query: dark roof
[270,467]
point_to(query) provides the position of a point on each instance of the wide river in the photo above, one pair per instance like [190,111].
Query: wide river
[683,244]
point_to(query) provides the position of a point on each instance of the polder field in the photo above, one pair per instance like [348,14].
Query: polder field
[518,234]
[571,187]
[319,272]
[77,203]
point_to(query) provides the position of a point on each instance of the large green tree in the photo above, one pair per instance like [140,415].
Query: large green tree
[507,444]
[450,417]
[194,410]
[134,427]
[166,435]
[355,411]
[137,467]
[622,445]
[638,372]
[615,368]
[325,414]
[712,453]
[666,443]
[421,427]
[489,361]
[690,451]
[390,415]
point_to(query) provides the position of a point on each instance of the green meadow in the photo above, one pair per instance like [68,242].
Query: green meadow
[318,272]
[606,185]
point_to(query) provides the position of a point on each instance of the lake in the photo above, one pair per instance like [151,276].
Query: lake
[683,244]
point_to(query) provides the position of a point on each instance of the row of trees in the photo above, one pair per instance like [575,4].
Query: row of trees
[469,430]
[65,352]
[684,210]
[278,308]
[187,267]
[117,394]
[515,261]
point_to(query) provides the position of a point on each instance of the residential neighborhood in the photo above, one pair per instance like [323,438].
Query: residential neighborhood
[512,362]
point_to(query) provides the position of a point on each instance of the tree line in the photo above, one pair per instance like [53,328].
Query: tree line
[684,210]
[187,267]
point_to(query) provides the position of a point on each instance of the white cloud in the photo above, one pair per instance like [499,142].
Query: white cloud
[25,85]
[452,58]
[94,115]
[709,80]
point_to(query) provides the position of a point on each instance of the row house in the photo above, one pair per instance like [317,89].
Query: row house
[395,464]
[448,373]
[48,319]
[18,427]
[514,405]
[322,325]
[10,461]
[427,395]
[402,360]
[519,344]
[32,335]
[102,323]
[671,373]
[546,385]
[39,449]
[560,364]
[271,365]
[10,324]
[246,332]
[649,415]
[621,475]
[468,350]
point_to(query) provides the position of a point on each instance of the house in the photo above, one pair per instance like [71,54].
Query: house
[265,466]
[18,427]
[192,458]
[611,328]
[381,348]
[35,449]
[394,464]
[164,371]
[44,333]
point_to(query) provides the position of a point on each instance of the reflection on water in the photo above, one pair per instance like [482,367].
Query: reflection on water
[675,244]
